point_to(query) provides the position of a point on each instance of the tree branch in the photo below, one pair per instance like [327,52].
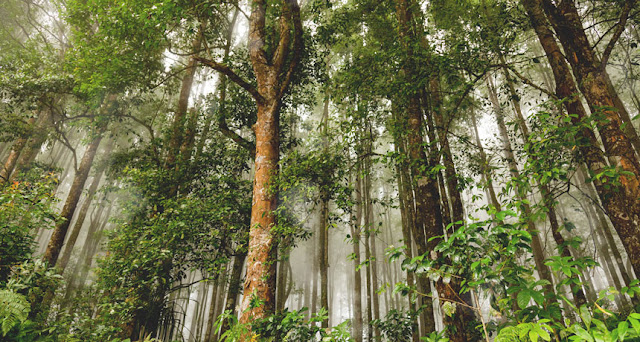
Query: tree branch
[294,9]
[224,69]
[528,82]
[620,26]
[227,132]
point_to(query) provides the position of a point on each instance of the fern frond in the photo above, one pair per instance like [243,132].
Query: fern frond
[14,310]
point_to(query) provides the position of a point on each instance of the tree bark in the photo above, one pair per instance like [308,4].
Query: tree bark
[33,145]
[621,204]
[71,240]
[12,158]
[547,197]
[60,230]
[235,285]
[271,86]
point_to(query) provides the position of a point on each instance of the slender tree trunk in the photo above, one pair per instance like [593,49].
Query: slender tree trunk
[182,107]
[485,169]
[71,240]
[548,200]
[536,243]
[12,158]
[89,249]
[235,285]
[33,145]
[324,221]
[356,222]
[60,230]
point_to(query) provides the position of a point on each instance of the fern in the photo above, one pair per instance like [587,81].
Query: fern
[14,310]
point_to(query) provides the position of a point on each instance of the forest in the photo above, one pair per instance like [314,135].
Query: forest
[319,170]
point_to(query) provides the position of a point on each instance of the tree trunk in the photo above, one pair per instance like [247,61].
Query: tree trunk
[547,197]
[71,240]
[12,158]
[33,145]
[60,230]
[235,285]
[180,113]
[621,204]
[271,86]
[536,243]
[485,169]
[357,283]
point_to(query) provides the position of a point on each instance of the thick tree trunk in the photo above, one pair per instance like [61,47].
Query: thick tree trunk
[261,258]
[271,85]
[622,204]
[428,218]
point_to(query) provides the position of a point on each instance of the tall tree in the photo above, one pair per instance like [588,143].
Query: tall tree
[273,69]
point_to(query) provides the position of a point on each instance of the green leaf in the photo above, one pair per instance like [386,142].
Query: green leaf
[585,314]
[635,324]
[523,299]
[533,335]
[583,334]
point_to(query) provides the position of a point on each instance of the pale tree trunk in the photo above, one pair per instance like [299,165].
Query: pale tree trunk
[210,334]
[90,246]
[356,222]
[180,113]
[536,244]
[485,168]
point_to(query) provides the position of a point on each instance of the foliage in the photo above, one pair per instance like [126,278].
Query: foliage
[397,325]
[14,310]
[26,205]
[285,326]
[23,312]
